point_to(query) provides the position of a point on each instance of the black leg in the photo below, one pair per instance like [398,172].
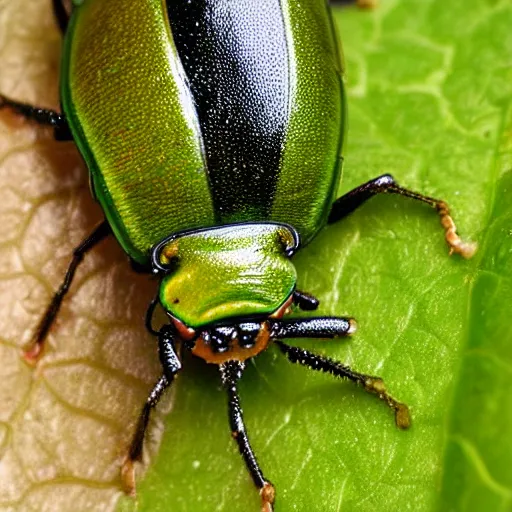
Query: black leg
[41,116]
[61,15]
[363,4]
[322,327]
[370,383]
[33,352]
[385,184]
[137,443]
[305,300]
[149,317]
[231,372]
[139,268]
[171,366]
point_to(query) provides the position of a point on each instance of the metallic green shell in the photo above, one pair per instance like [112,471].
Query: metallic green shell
[200,114]
[233,271]
[126,99]
[311,160]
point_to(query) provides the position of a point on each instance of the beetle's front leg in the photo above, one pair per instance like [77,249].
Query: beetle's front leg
[171,366]
[317,327]
[231,372]
[370,383]
[386,184]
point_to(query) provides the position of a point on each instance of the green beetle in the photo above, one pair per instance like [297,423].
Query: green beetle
[212,131]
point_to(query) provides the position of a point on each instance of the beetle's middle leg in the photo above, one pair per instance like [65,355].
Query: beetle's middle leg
[231,372]
[35,348]
[386,184]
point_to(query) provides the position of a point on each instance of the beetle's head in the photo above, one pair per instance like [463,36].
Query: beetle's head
[221,285]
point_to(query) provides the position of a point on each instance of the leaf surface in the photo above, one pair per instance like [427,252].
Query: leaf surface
[430,90]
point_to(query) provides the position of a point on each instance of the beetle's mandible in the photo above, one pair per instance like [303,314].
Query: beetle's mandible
[213,131]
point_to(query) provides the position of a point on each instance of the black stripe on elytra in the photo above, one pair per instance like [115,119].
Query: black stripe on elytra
[235,56]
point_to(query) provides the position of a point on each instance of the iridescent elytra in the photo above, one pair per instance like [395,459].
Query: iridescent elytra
[215,156]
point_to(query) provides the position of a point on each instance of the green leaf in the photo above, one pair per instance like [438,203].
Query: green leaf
[430,88]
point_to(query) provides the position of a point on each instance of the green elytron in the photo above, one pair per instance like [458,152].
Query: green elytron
[212,131]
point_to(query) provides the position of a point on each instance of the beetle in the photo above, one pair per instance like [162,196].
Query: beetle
[215,155]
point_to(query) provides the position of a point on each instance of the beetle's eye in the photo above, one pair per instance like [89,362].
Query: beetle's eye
[218,343]
[247,333]
[221,338]
[246,339]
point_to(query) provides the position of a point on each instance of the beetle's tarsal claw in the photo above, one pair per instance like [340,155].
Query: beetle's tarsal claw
[128,477]
[32,353]
[268,496]
[376,386]
[457,245]
[267,507]
[402,416]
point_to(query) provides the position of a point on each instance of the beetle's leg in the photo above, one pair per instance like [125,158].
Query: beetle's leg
[32,353]
[171,365]
[231,372]
[320,327]
[61,15]
[140,268]
[41,116]
[305,300]
[149,317]
[385,184]
[363,4]
[370,383]
[135,450]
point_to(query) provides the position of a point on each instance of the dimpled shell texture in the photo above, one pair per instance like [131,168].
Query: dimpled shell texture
[207,113]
